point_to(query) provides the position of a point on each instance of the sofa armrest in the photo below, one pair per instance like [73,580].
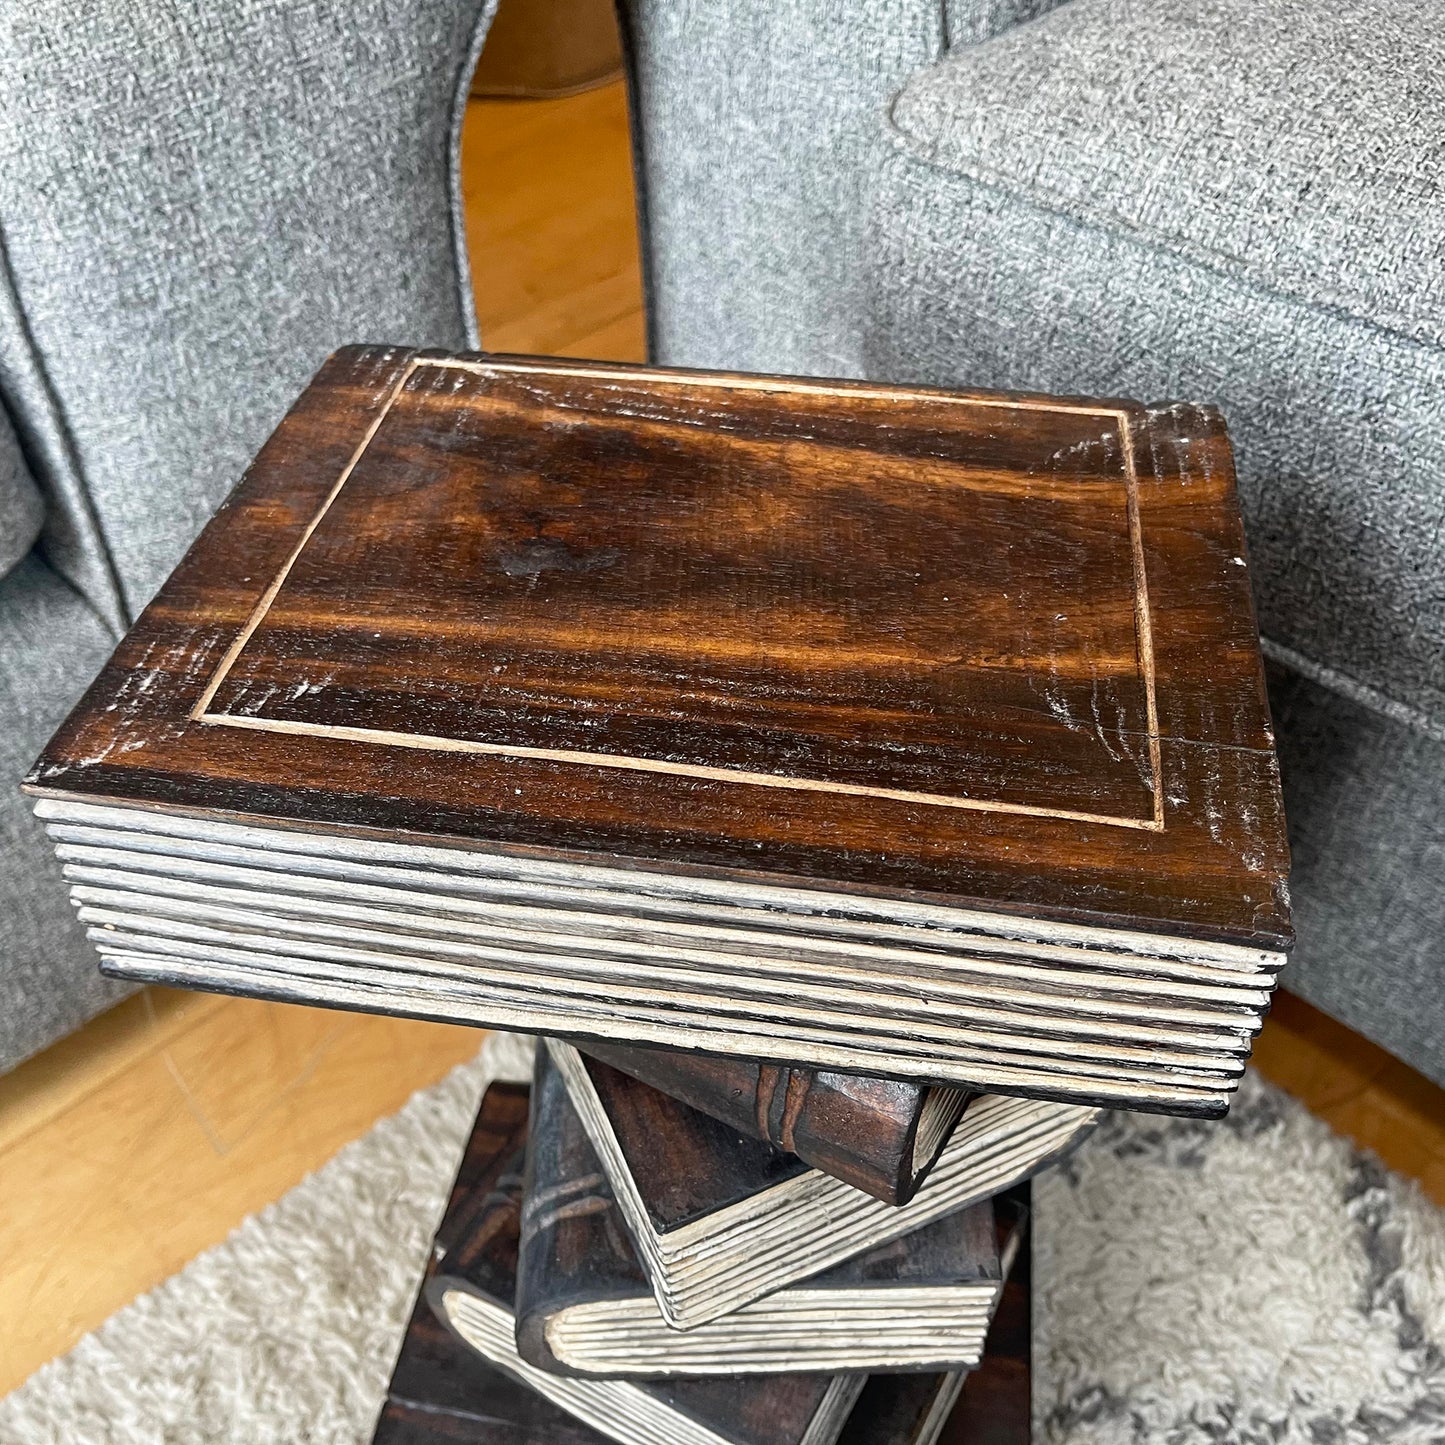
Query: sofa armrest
[199,203]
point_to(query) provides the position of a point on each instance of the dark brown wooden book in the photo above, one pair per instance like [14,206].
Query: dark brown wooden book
[912,1408]
[585,1305]
[443,1393]
[879,1135]
[996,1403]
[990,1405]
[470,1285]
[855,727]
[719,1219]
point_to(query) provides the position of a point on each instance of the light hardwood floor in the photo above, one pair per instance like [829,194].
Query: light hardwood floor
[130,1147]
[552,226]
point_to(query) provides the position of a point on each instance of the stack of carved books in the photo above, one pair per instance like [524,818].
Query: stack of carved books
[547,1273]
[869,782]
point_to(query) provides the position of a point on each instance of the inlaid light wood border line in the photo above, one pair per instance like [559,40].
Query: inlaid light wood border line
[1143,633]
[200,712]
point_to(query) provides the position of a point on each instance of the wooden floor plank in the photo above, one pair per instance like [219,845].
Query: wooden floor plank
[204,1124]
[551,223]
[68,1073]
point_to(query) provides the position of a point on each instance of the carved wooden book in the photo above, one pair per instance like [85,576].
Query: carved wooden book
[716,1221]
[911,1408]
[996,1403]
[879,1135]
[585,1304]
[442,1390]
[443,1393]
[990,1405]
[470,1287]
[913,733]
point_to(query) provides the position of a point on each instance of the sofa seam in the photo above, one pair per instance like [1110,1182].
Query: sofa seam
[80,595]
[1343,684]
[115,610]
[914,149]
[461,94]
[30,511]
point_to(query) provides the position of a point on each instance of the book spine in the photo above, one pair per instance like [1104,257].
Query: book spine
[477,1244]
[573,1243]
[860,1130]
[491,1164]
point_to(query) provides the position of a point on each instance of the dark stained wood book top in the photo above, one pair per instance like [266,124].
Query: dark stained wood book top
[576,1249]
[997,648]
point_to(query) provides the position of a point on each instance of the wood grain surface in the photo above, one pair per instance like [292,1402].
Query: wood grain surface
[900,989]
[994,648]
[903,1408]
[997,1398]
[708,1266]
[687,1165]
[442,1390]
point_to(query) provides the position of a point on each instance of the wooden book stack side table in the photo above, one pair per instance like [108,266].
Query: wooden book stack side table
[884,774]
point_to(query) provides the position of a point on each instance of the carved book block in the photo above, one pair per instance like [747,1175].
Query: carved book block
[906,1409]
[718,1220]
[444,1389]
[877,729]
[478,1239]
[991,1405]
[585,1304]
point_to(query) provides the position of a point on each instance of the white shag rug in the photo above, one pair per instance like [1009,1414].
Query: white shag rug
[1254,1281]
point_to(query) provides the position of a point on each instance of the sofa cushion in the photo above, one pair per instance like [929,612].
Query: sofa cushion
[757,137]
[1225,200]
[51,646]
[758,126]
[21,510]
[1264,138]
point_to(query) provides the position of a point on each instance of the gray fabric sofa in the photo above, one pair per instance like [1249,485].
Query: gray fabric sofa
[197,204]
[1235,201]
